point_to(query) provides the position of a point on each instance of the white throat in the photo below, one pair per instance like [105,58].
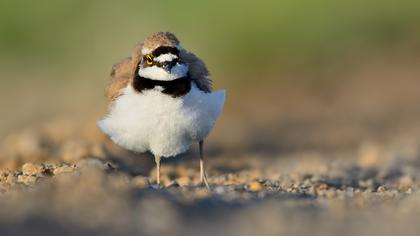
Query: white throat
[157,73]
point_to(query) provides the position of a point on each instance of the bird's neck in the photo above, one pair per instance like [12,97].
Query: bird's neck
[175,88]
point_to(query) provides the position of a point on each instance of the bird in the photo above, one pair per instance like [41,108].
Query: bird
[161,101]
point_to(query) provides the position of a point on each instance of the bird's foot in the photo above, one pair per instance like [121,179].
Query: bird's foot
[205,183]
[156,186]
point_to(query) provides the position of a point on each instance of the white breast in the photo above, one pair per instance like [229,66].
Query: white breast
[166,126]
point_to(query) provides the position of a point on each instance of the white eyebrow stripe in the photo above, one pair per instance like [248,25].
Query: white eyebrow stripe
[165,57]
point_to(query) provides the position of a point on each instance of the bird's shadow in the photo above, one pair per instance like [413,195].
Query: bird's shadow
[142,163]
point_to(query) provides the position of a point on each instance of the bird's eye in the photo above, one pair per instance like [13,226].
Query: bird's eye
[149,60]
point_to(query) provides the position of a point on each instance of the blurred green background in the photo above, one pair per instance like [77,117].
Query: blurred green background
[55,56]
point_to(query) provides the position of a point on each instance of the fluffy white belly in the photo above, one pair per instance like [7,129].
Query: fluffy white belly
[166,126]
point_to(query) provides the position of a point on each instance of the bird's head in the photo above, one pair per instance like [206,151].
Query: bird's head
[161,58]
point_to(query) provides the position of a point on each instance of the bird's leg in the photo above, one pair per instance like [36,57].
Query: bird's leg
[157,160]
[203,176]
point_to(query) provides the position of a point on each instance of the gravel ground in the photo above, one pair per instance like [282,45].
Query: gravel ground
[57,180]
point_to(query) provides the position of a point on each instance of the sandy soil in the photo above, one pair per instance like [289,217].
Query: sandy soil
[83,189]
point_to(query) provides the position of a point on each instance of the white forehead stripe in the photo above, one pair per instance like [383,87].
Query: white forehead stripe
[165,57]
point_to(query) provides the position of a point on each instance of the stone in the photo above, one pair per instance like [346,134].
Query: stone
[32,169]
[26,179]
[255,186]
[63,170]
[322,186]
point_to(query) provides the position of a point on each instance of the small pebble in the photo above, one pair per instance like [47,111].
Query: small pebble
[255,186]
[26,179]
[63,169]
[381,189]
[322,186]
[220,189]
[11,179]
[32,169]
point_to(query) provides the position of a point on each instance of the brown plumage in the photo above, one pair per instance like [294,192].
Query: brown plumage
[122,73]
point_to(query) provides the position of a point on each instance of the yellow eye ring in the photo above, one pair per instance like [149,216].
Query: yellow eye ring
[149,60]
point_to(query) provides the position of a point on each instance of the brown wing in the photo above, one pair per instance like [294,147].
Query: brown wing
[198,71]
[122,73]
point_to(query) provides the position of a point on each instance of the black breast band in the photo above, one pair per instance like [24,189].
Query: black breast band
[175,88]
